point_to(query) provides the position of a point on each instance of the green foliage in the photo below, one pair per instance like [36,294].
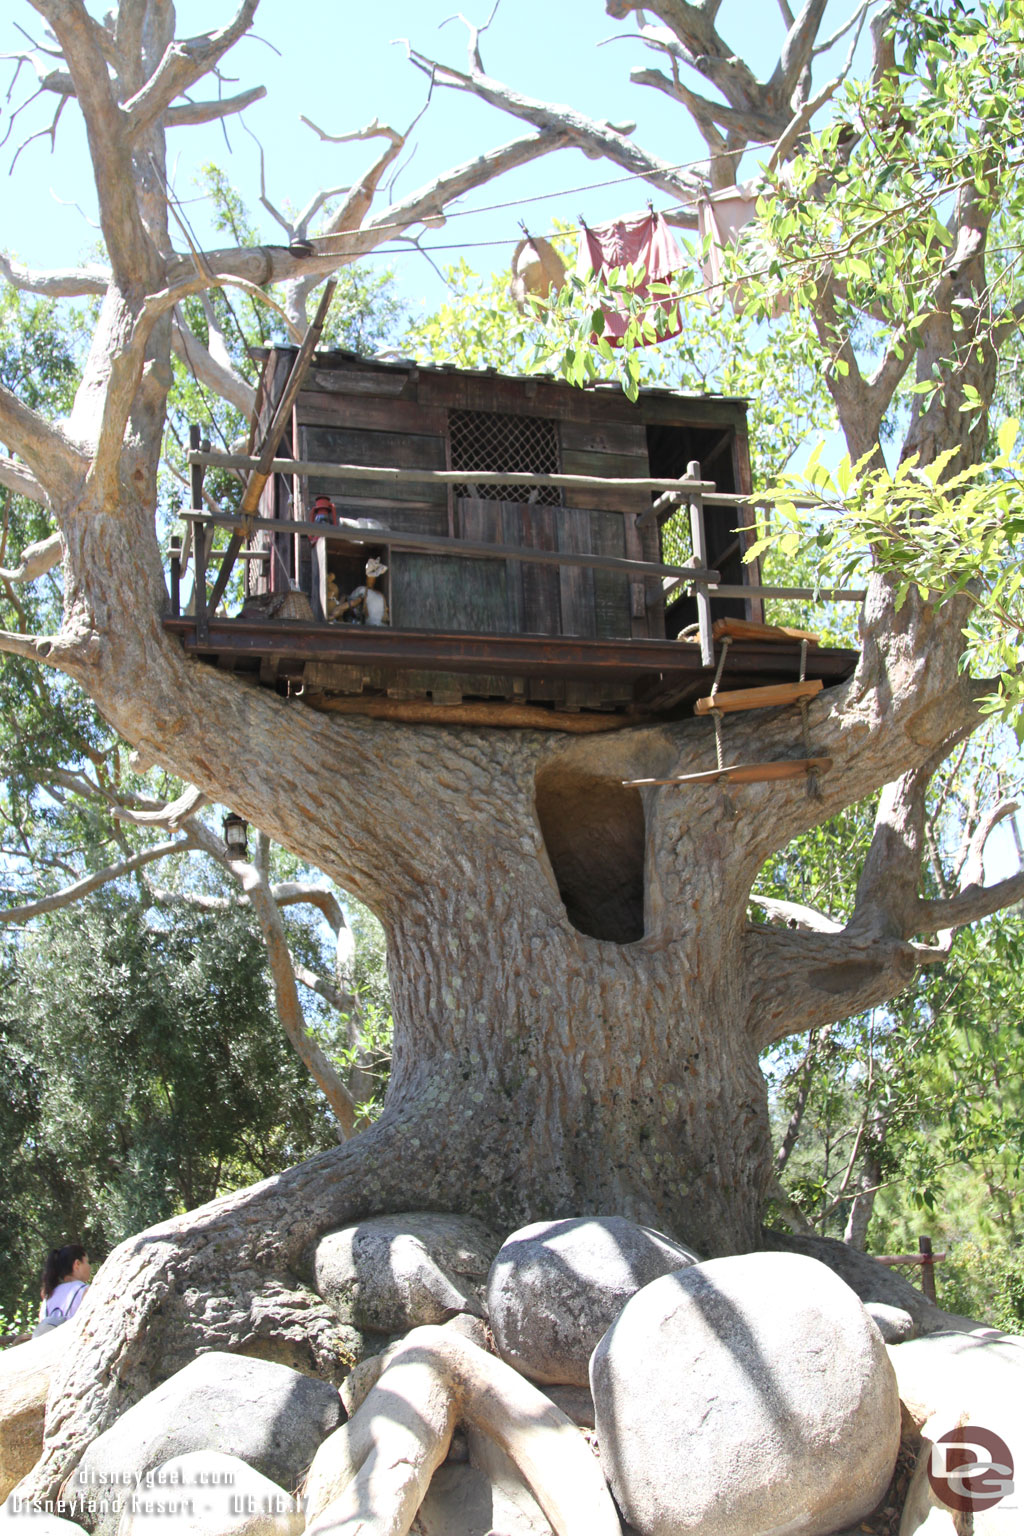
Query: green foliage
[146,1073]
[949,535]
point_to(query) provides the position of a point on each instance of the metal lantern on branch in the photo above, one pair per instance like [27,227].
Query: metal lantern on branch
[236,835]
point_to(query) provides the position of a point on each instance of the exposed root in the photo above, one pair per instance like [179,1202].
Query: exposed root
[371,1474]
[222,1277]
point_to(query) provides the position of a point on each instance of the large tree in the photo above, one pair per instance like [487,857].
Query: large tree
[537,1071]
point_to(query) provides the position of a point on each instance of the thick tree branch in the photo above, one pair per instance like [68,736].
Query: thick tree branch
[57,466]
[66,283]
[185,61]
[794,915]
[974,900]
[224,381]
[84,46]
[188,114]
[805,981]
[15,477]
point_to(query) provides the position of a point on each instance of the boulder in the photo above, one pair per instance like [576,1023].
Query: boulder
[947,1380]
[893,1323]
[24,1382]
[746,1395]
[269,1416]
[556,1286]
[393,1273]
[205,1493]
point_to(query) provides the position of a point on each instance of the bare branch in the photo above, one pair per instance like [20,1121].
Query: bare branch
[343,1002]
[15,477]
[185,62]
[173,816]
[805,981]
[594,138]
[796,916]
[974,900]
[67,283]
[192,112]
[58,467]
[796,52]
[84,887]
[206,368]
[288,1006]
[36,559]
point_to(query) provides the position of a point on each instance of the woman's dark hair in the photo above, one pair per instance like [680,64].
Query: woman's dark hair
[58,1266]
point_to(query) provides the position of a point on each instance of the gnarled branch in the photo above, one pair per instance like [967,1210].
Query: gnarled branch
[185,61]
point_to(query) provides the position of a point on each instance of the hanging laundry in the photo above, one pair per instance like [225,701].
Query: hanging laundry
[639,238]
[537,271]
[723,216]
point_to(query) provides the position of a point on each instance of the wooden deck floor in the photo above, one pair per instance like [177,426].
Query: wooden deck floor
[663,673]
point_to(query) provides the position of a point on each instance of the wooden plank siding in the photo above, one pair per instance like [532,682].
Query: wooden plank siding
[358,411]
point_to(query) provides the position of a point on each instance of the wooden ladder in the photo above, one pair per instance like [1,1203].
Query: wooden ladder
[770,696]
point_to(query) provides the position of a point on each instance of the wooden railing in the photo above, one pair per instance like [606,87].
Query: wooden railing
[696,577]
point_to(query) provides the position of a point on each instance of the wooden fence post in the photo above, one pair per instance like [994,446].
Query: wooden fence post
[924,1248]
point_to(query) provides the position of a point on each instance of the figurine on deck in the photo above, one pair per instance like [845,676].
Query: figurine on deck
[365,605]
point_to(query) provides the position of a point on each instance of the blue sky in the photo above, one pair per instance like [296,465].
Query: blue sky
[338,64]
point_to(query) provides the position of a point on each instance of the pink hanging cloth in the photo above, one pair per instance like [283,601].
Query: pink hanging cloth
[637,238]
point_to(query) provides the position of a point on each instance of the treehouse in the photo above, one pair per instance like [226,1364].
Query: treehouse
[537,545]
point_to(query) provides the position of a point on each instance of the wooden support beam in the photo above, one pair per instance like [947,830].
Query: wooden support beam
[698,536]
[743,773]
[357,533]
[770,697]
[227,565]
[263,465]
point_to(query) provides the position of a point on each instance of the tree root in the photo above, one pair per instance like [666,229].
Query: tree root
[221,1277]
[371,1475]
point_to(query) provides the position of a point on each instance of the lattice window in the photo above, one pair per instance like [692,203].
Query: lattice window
[489,441]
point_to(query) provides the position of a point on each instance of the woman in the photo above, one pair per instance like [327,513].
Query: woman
[66,1274]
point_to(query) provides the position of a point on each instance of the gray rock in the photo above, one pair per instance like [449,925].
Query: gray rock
[746,1395]
[206,1493]
[270,1417]
[556,1286]
[950,1379]
[393,1273]
[893,1323]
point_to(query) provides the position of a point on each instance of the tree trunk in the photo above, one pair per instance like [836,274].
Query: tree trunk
[579,1001]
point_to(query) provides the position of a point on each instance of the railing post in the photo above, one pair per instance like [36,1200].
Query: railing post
[924,1248]
[175,578]
[700,558]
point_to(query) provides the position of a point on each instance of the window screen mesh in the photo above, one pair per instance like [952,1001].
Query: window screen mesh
[489,441]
